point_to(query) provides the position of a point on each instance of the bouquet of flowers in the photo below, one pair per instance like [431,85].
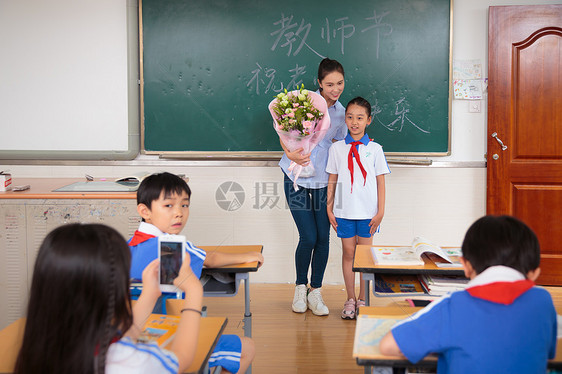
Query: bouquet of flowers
[301,120]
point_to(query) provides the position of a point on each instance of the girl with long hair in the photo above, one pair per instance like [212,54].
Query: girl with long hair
[80,319]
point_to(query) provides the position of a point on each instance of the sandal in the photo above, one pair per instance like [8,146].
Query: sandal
[348,311]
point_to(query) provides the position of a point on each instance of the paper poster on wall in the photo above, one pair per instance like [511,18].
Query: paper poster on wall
[467,89]
[467,69]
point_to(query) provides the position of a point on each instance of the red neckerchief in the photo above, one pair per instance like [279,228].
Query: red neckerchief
[139,237]
[501,292]
[115,339]
[353,152]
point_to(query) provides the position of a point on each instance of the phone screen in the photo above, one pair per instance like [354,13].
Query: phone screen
[170,261]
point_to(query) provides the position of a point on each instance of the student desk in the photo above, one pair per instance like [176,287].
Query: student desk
[26,217]
[209,332]
[429,361]
[211,329]
[389,361]
[240,271]
[363,263]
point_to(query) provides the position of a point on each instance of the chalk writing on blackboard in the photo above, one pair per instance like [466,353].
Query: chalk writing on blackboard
[347,31]
[401,111]
[294,36]
[286,29]
[262,75]
[257,78]
[378,26]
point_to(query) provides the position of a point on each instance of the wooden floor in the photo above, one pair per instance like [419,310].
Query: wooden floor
[288,342]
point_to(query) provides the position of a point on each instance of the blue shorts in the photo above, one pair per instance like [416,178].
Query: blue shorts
[227,353]
[349,228]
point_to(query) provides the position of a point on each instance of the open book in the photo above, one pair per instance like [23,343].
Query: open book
[413,255]
[369,331]
[135,178]
[159,328]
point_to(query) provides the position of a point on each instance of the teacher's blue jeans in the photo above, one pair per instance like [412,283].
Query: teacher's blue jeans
[308,207]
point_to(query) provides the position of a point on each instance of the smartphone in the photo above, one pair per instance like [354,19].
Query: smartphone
[171,252]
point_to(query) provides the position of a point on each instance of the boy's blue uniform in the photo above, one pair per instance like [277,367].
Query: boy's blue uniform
[500,324]
[144,250]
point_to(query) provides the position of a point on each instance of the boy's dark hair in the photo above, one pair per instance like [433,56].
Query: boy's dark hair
[153,185]
[501,240]
[361,102]
[328,66]
[79,300]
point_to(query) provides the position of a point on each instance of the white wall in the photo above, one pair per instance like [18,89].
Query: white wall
[63,71]
[439,201]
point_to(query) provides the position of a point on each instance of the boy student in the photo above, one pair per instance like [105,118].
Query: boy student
[356,193]
[163,203]
[501,323]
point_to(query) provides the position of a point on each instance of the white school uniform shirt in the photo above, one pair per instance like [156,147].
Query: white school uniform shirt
[128,357]
[362,203]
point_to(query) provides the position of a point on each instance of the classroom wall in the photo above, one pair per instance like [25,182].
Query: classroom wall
[438,201]
[63,75]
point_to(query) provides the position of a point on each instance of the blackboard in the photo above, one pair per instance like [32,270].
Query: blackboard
[210,68]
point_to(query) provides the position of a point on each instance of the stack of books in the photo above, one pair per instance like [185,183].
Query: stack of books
[413,285]
[439,285]
[159,328]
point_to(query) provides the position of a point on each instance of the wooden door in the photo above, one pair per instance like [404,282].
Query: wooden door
[525,113]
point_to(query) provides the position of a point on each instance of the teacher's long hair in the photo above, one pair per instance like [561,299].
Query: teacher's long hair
[79,301]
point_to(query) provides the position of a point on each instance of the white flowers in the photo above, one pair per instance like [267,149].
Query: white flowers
[294,112]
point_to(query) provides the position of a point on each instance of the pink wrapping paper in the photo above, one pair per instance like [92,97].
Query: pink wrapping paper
[294,140]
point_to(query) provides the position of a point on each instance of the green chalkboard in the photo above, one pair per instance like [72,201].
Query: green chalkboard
[210,68]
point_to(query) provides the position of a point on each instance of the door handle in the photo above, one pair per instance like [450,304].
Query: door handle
[495,135]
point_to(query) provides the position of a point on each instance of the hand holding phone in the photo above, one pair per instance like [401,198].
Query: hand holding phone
[150,280]
[171,252]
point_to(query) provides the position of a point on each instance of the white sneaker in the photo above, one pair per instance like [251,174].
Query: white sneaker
[299,301]
[316,303]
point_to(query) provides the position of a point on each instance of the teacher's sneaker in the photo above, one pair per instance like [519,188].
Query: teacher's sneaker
[316,303]
[299,301]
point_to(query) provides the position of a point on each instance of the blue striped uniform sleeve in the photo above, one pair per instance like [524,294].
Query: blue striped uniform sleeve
[197,257]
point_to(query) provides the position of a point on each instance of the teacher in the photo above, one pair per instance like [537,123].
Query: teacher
[308,203]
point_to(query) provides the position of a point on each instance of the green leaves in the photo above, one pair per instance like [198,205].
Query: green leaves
[295,111]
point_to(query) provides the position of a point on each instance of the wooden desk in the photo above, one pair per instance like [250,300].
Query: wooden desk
[429,361]
[10,342]
[210,331]
[240,271]
[363,263]
[374,357]
[26,217]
